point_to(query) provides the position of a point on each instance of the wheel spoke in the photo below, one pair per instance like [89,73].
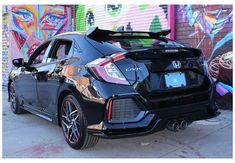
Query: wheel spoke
[76,129]
[73,112]
[69,108]
[66,109]
[65,117]
[66,125]
[75,135]
[70,135]
[76,118]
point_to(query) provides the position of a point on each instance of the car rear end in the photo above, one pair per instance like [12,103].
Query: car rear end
[149,83]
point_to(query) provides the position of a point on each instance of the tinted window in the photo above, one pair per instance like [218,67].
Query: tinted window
[39,54]
[140,43]
[104,47]
[40,57]
[84,50]
[112,46]
[62,49]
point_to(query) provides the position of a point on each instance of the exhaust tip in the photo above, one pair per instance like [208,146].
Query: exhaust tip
[176,126]
[173,126]
[183,124]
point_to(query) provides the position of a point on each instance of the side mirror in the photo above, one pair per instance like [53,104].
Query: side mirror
[19,62]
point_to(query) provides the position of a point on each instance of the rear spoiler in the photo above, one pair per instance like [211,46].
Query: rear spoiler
[100,34]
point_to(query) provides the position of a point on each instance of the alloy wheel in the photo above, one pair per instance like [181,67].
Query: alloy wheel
[70,121]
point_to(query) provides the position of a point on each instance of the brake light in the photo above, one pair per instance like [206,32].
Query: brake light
[104,68]
[117,57]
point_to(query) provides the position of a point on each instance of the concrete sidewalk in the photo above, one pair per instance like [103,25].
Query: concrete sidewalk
[28,136]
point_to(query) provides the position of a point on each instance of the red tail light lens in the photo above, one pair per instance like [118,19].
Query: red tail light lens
[104,68]
[110,110]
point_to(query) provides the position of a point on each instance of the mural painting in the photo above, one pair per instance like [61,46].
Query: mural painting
[114,17]
[26,26]
[6,58]
[213,33]
[32,24]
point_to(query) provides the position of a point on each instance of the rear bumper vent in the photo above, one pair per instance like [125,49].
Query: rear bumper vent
[125,109]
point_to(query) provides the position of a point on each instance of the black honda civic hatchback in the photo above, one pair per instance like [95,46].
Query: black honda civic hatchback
[113,84]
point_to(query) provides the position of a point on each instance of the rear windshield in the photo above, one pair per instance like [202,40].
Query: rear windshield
[134,44]
[108,47]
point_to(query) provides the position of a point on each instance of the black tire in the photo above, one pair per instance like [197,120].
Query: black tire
[14,100]
[74,124]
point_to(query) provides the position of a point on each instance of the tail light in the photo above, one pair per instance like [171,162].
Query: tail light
[105,69]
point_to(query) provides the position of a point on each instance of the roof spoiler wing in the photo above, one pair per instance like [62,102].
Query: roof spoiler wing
[100,34]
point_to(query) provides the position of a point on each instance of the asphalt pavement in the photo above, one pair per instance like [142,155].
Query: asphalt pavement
[29,136]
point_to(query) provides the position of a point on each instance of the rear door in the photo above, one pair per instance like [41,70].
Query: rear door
[51,77]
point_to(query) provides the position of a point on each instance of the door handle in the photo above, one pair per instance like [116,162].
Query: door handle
[34,72]
[58,69]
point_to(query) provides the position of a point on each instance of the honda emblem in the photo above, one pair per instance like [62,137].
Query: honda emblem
[176,64]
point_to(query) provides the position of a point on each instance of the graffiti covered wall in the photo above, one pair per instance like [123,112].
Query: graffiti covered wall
[6,58]
[209,27]
[32,24]
[26,26]
[131,17]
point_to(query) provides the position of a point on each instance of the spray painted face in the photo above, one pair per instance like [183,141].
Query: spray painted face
[90,19]
[114,10]
[34,23]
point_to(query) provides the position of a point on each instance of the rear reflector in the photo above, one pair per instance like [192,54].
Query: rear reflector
[110,110]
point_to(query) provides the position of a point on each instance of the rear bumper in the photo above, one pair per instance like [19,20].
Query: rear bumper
[155,120]
[155,111]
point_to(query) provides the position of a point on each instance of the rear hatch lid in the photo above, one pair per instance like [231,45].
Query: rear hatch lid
[163,70]
[153,64]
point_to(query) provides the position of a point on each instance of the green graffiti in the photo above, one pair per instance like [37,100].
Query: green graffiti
[80,18]
[155,25]
[143,7]
[114,10]
[115,27]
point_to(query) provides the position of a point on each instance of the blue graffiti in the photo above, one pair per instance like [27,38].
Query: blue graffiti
[222,89]
[209,23]
[220,43]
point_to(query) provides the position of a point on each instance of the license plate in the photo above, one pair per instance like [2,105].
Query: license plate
[175,80]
